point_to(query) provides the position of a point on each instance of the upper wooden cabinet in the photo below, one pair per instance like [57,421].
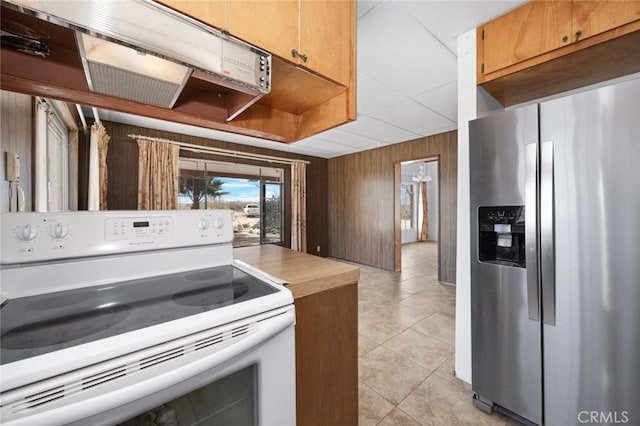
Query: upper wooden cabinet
[590,18]
[530,30]
[546,47]
[542,26]
[270,25]
[316,35]
[327,37]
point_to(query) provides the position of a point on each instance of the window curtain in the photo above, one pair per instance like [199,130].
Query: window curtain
[158,174]
[98,146]
[299,206]
[73,169]
[424,230]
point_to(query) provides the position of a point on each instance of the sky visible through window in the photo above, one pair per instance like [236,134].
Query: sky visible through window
[240,190]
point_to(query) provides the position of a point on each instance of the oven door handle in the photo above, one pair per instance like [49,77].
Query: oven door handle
[124,397]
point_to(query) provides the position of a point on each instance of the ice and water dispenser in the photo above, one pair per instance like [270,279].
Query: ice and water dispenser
[501,235]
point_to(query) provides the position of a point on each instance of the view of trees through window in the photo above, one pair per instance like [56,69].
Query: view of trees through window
[406,206]
[254,194]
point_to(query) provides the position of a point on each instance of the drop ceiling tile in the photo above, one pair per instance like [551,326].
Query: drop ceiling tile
[322,148]
[374,95]
[448,19]
[380,131]
[443,99]
[343,137]
[412,116]
[364,6]
[394,49]
[437,130]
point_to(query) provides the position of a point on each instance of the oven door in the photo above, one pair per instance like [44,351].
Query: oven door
[242,373]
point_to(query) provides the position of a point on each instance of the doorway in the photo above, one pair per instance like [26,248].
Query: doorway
[417,205]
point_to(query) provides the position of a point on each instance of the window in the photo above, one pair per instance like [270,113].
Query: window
[51,160]
[253,193]
[407,199]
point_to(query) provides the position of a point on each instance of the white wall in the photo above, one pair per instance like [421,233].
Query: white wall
[467,95]
[472,103]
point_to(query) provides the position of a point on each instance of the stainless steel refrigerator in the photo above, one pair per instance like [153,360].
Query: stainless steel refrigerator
[555,258]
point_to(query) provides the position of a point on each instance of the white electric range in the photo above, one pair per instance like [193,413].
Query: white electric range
[112,317]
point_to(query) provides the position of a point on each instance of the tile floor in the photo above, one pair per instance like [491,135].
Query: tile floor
[406,345]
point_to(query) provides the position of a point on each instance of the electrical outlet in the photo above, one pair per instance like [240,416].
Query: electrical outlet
[13,167]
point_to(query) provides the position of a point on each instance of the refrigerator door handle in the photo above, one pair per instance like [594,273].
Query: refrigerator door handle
[530,221]
[547,234]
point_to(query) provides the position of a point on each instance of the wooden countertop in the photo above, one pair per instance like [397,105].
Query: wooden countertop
[305,274]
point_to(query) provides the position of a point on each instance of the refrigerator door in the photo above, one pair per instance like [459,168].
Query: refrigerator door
[506,340]
[592,352]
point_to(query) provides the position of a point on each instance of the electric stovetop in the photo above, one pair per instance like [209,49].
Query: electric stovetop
[35,325]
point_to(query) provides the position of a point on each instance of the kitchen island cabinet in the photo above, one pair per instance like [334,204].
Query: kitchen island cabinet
[546,47]
[326,300]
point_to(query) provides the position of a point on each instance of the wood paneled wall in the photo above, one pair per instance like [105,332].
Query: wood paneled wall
[16,135]
[122,164]
[362,220]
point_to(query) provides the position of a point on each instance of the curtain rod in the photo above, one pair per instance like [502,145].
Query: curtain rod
[221,151]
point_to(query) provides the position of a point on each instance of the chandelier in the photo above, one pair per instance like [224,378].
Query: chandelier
[422,175]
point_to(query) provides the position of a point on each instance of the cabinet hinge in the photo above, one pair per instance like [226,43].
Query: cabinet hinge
[482,69]
[482,36]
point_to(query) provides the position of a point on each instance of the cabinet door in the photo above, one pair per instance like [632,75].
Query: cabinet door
[528,31]
[270,25]
[595,17]
[327,37]
[209,12]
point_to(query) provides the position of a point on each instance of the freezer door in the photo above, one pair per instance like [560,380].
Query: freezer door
[506,340]
[592,352]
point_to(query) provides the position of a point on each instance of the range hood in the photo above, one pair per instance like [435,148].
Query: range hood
[145,52]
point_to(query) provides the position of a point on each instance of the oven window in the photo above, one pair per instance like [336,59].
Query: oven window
[231,400]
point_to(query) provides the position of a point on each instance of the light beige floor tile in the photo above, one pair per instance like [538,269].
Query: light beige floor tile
[396,312]
[389,374]
[414,285]
[372,407]
[430,303]
[398,418]
[428,353]
[378,329]
[439,326]
[439,401]
[447,369]
[365,345]
[405,344]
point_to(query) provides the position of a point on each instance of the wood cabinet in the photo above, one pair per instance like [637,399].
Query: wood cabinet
[590,18]
[530,30]
[321,32]
[314,90]
[327,357]
[326,40]
[271,25]
[306,98]
[561,45]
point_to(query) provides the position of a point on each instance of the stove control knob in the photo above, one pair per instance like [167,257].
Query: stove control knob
[59,231]
[203,224]
[219,223]
[27,233]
